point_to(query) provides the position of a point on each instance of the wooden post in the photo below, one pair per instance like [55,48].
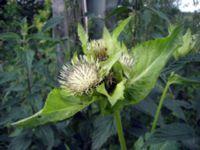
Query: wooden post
[58,9]
[97,8]
[71,12]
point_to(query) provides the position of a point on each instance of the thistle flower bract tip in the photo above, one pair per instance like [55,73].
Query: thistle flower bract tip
[126,60]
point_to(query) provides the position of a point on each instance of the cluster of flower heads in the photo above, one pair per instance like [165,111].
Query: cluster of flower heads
[83,74]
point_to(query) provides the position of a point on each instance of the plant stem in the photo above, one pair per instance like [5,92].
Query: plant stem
[120,130]
[159,107]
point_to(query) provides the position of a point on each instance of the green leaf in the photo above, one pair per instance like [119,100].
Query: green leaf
[116,32]
[40,36]
[112,44]
[118,93]
[51,23]
[7,76]
[139,145]
[118,11]
[165,146]
[104,127]
[59,106]
[83,38]
[171,132]
[160,14]
[179,64]
[109,42]
[177,79]
[150,58]
[75,59]
[148,106]
[9,36]
[29,56]
[188,44]
[107,64]
[147,17]
[46,135]
[21,142]
[175,107]
[106,35]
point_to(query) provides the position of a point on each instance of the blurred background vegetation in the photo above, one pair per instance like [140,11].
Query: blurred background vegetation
[38,36]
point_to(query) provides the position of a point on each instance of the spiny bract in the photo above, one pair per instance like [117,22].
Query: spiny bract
[126,60]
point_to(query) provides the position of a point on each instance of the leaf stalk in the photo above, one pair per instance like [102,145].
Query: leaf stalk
[159,107]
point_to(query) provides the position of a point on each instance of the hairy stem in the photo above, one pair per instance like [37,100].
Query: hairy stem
[159,108]
[120,130]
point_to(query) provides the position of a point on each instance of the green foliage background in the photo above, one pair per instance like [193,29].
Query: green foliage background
[28,71]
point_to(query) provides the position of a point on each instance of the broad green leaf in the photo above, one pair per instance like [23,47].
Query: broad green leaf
[75,59]
[106,34]
[177,79]
[160,14]
[148,106]
[118,93]
[118,11]
[9,36]
[179,64]
[112,44]
[124,48]
[116,32]
[104,127]
[40,36]
[139,145]
[188,44]
[58,107]
[46,135]
[108,40]
[83,38]
[7,76]
[175,107]
[171,28]
[147,17]
[27,59]
[171,132]
[51,23]
[107,64]
[168,145]
[21,142]
[150,58]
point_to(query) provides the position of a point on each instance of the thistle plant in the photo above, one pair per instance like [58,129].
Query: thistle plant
[109,72]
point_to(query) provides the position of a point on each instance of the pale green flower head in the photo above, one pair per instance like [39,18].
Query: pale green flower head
[80,77]
[98,48]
